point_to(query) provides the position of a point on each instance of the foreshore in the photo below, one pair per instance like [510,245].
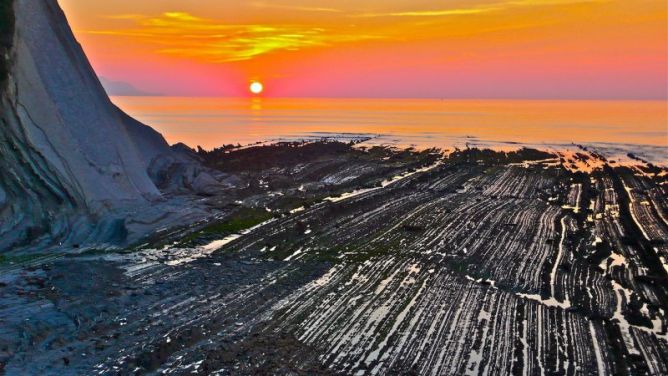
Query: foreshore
[426,262]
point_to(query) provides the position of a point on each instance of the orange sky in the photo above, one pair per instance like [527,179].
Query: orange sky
[381,48]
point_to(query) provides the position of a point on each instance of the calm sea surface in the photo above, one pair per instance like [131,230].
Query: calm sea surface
[211,122]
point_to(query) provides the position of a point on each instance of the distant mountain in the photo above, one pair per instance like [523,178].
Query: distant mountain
[122,88]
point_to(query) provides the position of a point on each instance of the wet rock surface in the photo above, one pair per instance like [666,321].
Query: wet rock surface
[476,263]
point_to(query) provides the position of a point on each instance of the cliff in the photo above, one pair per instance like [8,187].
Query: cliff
[73,166]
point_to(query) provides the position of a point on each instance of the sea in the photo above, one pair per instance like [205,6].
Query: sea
[613,128]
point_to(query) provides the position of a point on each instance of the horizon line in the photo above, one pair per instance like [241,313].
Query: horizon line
[598,99]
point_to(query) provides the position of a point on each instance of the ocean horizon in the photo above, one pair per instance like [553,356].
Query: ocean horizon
[609,125]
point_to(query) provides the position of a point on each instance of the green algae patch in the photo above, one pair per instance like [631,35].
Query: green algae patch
[6,260]
[239,221]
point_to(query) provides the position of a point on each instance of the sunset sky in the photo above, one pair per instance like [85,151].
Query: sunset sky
[381,48]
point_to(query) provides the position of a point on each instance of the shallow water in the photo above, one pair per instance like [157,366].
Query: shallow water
[212,122]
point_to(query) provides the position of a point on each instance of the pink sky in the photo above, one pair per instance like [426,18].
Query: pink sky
[607,49]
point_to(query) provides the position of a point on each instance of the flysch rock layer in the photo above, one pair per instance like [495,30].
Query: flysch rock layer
[74,166]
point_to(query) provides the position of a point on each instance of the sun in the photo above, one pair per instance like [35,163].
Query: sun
[256,87]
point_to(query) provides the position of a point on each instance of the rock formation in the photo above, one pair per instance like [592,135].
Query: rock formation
[74,166]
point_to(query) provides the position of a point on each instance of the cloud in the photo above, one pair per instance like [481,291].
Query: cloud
[185,35]
[430,13]
[474,10]
[553,2]
[259,4]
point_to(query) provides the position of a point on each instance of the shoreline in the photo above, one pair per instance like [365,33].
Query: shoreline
[420,122]
[228,181]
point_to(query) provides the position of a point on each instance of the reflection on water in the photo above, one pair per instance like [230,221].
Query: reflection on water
[212,122]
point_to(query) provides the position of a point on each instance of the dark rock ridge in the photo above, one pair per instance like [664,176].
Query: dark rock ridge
[74,166]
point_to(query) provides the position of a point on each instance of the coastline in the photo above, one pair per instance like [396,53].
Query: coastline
[363,236]
[420,123]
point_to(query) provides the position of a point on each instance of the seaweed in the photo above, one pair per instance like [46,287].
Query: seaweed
[242,220]
[9,260]
[491,157]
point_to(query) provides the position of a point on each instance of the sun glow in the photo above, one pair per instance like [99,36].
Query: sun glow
[256,87]
[390,48]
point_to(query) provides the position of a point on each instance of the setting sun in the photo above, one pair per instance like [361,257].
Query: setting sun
[355,187]
[256,87]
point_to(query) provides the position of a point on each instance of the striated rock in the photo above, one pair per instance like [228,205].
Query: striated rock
[3,198]
[73,164]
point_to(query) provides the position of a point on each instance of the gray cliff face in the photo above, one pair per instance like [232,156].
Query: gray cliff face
[72,163]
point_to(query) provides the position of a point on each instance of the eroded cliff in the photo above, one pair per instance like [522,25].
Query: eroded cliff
[73,165]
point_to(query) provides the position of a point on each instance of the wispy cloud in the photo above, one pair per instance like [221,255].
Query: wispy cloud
[429,13]
[185,35]
[259,4]
[552,2]
[474,10]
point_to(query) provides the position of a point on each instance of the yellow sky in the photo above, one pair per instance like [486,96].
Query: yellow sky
[479,48]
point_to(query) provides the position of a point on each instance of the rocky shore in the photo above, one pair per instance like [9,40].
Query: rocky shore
[331,259]
[121,255]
